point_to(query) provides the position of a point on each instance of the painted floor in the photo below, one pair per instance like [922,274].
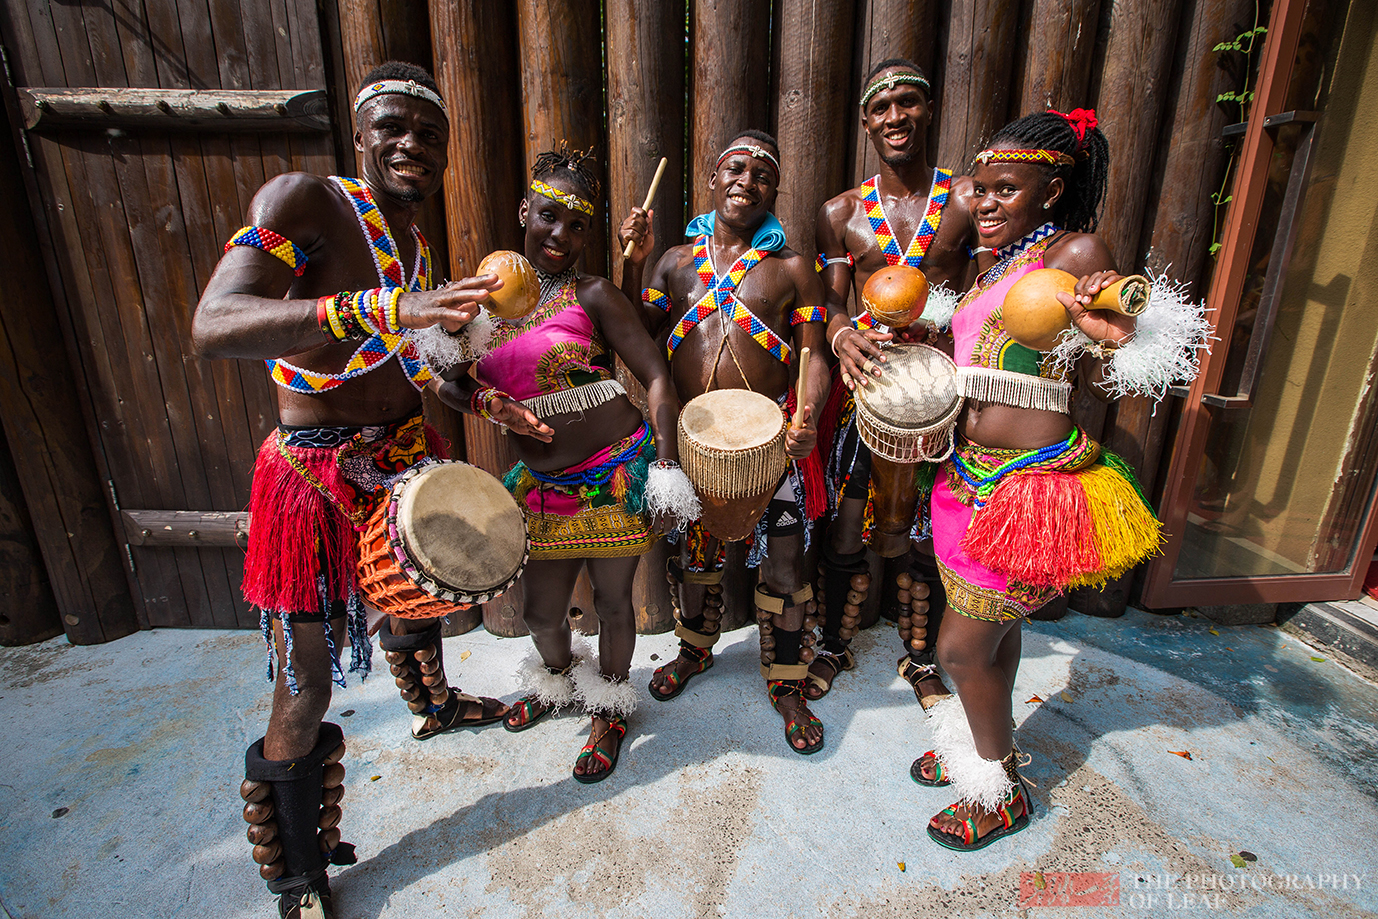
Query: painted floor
[120,772]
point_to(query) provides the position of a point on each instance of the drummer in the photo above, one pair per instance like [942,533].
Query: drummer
[345,430]
[912,214]
[740,248]
[598,483]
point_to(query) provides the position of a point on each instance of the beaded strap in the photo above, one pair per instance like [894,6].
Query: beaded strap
[1046,157]
[657,298]
[571,201]
[807,314]
[272,243]
[820,263]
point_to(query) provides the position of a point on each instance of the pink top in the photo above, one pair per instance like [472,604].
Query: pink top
[555,347]
[978,328]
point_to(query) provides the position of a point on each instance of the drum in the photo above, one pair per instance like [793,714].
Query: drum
[1034,317]
[732,447]
[448,536]
[909,413]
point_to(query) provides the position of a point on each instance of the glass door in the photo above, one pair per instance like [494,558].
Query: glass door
[1270,490]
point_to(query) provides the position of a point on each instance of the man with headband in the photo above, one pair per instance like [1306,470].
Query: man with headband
[740,305]
[326,284]
[909,214]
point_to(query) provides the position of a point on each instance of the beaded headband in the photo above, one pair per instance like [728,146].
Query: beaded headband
[569,200]
[399,87]
[890,81]
[757,152]
[1045,157]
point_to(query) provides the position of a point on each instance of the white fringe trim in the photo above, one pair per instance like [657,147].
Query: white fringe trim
[576,399]
[941,305]
[1169,335]
[1006,387]
[978,782]
[599,695]
[669,492]
[441,350]
[553,689]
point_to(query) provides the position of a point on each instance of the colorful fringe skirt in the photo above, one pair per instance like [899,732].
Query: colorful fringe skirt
[593,509]
[1014,528]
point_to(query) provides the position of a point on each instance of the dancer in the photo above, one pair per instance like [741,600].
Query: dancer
[350,424]
[739,305]
[598,482]
[1029,505]
[858,233]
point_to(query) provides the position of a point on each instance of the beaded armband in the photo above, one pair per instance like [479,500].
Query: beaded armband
[820,263]
[657,298]
[807,314]
[272,243]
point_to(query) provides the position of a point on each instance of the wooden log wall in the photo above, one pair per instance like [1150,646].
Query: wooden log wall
[622,77]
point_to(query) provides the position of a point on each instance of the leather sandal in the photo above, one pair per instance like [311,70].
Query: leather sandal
[940,776]
[531,710]
[592,751]
[490,710]
[779,689]
[702,658]
[838,663]
[915,674]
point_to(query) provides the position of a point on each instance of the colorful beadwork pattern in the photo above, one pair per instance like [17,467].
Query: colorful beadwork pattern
[657,298]
[1016,255]
[272,243]
[573,202]
[820,263]
[722,296]
[928,227]
[383,344]
[1046,157]
[889,81]
[807,314]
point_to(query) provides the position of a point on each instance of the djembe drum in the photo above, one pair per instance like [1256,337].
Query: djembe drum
[908,415]
[732,447]
[448,536]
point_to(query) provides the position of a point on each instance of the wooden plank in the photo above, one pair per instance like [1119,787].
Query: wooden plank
[976,78]
[87,108]
[813,106]
[1132,97]
[33,56]
[646,115]
[886,29]
[729,51]
[30,613]
[475,53]
[40,409]
[186,528]
[562,92]
[1056,70]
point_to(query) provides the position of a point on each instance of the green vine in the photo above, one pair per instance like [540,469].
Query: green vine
[1242,44]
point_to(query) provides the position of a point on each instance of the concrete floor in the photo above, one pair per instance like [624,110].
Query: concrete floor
[123,760]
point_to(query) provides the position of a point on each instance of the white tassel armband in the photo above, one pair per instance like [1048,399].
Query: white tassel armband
[940,306]
[669,492]
[1164,350]
[601,696]
[441,350]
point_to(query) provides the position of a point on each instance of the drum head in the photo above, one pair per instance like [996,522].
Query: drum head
[461,527]
[917,386]
[732,419]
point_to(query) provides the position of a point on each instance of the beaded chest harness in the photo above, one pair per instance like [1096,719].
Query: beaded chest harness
[722,295]
[928,227]
[381,346]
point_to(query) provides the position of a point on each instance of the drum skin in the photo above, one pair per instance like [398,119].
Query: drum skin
[732,448]
[1035,318]
[447,537]
[521,289]
[908,413]
[895,296]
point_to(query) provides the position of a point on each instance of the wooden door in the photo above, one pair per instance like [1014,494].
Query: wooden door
[142,178]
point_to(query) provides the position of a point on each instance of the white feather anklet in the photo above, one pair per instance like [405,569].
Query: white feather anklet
[601,696]
[978,782]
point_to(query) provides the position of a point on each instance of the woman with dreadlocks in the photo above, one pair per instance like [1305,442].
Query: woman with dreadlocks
[598,483]
[1029,506]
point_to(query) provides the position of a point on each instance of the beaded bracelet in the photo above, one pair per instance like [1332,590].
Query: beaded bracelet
[664,464]
[327,317]
[478,402]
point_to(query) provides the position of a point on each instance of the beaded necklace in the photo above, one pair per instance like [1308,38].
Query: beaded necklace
[382,345]
[722,295]
[928,227]
[1017,254]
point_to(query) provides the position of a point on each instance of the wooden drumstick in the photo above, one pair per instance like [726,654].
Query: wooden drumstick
[801,391]
[650,196]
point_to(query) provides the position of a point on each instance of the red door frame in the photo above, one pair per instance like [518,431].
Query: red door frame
[1227,285]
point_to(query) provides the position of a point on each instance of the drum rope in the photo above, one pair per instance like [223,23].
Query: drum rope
[732,352]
